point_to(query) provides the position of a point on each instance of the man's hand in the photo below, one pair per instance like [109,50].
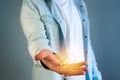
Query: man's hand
[55,63]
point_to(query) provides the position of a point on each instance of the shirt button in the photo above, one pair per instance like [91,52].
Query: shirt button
[85,36]
[81,6]
[83,19]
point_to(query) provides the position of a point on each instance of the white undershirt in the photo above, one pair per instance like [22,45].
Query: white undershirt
[73,33]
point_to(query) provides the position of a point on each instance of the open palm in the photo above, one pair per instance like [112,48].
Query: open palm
[54,63]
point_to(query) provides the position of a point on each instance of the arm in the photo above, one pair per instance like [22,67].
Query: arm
[33,28]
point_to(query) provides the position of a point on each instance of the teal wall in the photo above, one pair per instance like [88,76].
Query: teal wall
[105,35]
[15,62]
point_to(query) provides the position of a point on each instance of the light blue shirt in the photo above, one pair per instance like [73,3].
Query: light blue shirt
[42,24]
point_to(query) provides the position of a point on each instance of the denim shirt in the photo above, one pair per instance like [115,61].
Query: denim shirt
[42,25]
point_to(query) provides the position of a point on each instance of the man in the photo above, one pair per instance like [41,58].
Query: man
[58,38]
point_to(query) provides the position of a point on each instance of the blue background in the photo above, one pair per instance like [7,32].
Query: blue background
[15,62]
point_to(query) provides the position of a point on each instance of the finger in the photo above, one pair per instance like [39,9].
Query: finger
[74,72]
[84,69]
[79,68]
[78,64]
[67,70]
[60,70]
